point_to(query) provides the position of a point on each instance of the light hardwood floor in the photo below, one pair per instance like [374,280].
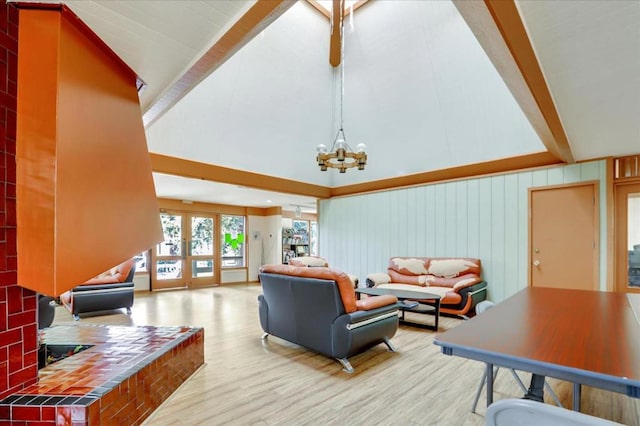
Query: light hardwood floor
[247,383]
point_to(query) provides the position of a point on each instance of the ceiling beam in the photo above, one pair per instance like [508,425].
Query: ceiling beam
[256,19]
[505,165]
[209,172]
[498,27]
[320,8]
[355,6]
[335,47]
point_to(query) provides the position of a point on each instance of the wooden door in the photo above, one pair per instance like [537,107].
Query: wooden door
[627,238]
[186,257]
[564,237]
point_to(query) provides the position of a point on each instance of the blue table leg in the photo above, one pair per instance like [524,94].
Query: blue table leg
[577,390]
[489,384]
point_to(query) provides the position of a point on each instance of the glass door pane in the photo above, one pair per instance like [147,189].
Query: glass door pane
[201,249]
[169,264]
[633,239]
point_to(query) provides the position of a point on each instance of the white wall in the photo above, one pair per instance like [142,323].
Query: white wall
[141,282]
[267,247]
[484,218]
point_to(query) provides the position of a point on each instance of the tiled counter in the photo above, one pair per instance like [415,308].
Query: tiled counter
[126,375]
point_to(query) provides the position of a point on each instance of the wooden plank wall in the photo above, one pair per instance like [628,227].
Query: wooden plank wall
[484,217]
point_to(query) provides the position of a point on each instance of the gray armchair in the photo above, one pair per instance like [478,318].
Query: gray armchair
[317,308]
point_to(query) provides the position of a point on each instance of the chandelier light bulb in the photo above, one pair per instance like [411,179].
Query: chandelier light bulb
[321,149]
[361,147]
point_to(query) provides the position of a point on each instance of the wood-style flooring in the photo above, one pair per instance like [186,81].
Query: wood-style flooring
[246,382]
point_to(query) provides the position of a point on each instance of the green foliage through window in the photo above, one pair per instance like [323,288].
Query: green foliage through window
[232,240]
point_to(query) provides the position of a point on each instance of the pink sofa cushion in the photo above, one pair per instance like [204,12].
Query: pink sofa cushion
[114,275]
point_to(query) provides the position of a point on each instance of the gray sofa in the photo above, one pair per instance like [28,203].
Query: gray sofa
[317,308]
[113,289]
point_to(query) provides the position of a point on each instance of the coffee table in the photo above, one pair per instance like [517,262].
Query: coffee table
[422,303]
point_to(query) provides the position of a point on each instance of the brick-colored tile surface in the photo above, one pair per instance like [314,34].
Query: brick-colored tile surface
[126,375]
[17,306]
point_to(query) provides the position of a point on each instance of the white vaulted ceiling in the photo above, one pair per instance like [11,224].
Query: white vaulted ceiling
[419,89]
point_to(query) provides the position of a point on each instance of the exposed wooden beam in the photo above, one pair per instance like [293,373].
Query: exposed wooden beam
[195,170]
[259,17]
[499,28]
[357,5]
[320,8]
[335,48]
[460,172]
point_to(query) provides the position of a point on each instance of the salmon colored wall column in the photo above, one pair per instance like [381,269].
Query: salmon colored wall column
[18,328]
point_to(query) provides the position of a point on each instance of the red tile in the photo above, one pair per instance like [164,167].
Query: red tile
[10,336]
[25,412]
[26,375]
[15,357]
[5,411]
[14,293]
[48,413]
[30,336]
[29,301]
[22,319]
[3,314]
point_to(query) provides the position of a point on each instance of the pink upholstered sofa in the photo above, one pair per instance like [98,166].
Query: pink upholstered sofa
[456,280]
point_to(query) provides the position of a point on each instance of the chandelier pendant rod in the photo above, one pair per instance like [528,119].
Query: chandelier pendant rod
[341,155]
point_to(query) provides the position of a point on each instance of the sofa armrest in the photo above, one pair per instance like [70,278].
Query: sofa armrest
[473,289]
[373,302]
[86,288]
[378,278]
[358,316]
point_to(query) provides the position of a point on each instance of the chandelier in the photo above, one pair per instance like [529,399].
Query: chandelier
[341,156]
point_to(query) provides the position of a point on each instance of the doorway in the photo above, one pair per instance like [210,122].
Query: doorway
[185,259]
[627,232]
[564,236]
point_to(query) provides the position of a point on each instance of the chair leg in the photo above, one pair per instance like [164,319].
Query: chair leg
[347,368]
[546,386]
[76,317]
[389,344]
[481,385]
[128,311]
[264,336]
[553,394]
[518,380]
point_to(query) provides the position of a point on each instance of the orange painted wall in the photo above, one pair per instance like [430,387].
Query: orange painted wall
[86,199]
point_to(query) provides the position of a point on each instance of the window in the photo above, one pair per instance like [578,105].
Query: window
[141,261]
[313,239]
[232,235]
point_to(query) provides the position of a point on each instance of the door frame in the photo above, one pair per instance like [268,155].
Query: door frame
[596,224]
[187,279]
[620,268]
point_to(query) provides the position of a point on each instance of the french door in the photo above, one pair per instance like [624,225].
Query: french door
[627,237]
[185,259]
